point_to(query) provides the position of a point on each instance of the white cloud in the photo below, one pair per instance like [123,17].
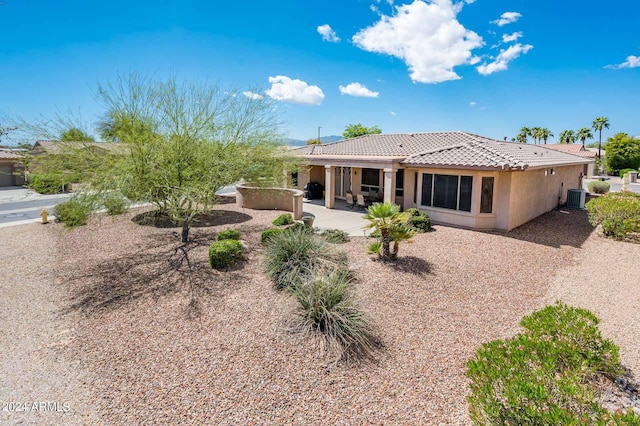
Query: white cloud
[507,18]
[252,95]
[506,38]
[393,113]
[328,34]
[296,91]
[469,1]
[631,62]
[472,104]
[374,8]
[426,36]
[503,59]
[358,90]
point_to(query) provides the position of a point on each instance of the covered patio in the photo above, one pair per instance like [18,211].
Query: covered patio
[342,217]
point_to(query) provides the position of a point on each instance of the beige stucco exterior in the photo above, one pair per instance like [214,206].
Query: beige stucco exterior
[270,199]
[11,172]
[518,196]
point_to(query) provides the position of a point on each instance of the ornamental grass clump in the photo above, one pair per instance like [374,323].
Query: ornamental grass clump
[326,311]
[295,255]
[548,374]
[335,236]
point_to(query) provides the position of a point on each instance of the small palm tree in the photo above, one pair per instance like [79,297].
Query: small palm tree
[383,217]
[567,136]
[399,233]
[545,134]
[598,124]
[584,134]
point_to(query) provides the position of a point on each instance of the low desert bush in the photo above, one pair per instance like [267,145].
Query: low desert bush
[225,253]
[327,312]
[546,375]
[48,183]
[293,256]
[335,236]
[598,187]
[228,234]
[419,220]
[618,213]
[283,219]
[269,233]
[625,171]
[115,204]
[72,213]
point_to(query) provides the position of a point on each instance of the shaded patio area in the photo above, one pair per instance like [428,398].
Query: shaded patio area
[340,217]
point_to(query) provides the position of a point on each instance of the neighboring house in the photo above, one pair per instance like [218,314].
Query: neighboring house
[57,147]
[11,169]
[580,151]
[458,178]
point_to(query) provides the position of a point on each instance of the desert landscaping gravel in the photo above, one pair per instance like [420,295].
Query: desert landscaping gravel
[142,346]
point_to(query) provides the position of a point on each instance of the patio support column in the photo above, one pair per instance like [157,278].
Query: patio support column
[390,185]
[329,186]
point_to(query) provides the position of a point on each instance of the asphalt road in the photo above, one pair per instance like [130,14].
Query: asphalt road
[13,211]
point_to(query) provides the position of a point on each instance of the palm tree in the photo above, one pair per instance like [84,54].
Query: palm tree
[584,134]
[535,134]
[522,136]
[382,217]
[567,136]
[598,124]
[545,134]
[399,233]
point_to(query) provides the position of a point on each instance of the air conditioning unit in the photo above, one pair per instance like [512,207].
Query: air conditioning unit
[575,198]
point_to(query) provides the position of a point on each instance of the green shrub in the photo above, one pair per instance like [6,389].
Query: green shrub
[335,236]
[292,257]
[72,213]
[421,223]
[283,219]
[299,226]
[269,233]
[618,213]
[598,187]
[48,183]
[229,234]
[115,204]
[326,311]
[625,171]
[225,253]
[546,375]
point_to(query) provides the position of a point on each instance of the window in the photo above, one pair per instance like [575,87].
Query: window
[427,189]
[400,183]
[415,188]
[370,180]
[447,191]
[486,197]
[294,178]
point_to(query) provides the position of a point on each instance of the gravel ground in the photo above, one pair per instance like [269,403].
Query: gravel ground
[147,355]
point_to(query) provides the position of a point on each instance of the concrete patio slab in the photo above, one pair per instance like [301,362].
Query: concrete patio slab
[341,217]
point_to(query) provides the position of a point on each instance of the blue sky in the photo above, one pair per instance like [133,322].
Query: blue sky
[483,66]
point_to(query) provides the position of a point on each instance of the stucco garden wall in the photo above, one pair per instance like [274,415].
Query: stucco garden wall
[270,199]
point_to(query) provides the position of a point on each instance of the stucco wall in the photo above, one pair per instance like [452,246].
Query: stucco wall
[15,170]
[533,193]
[270,199]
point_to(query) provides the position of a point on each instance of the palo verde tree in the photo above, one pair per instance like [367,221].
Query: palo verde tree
[355,130]
[181,142]
[74,134]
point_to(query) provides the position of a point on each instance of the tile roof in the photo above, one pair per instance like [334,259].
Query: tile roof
[572,148]
[450,149]
[53,147]
[7,155]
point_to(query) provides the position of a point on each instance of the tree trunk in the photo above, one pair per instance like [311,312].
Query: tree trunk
[185,232]
[386,244]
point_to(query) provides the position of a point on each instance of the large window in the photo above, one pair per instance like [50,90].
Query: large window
[447,191]
[486,197]
[400,183]
[370,180]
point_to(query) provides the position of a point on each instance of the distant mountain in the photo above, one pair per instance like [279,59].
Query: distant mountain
[324,139]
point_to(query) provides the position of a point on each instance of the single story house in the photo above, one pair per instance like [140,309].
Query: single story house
[580,151]
[11,169]
[58,147]
[458,178]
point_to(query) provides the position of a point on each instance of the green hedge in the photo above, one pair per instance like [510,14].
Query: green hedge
[229,234]
[618,213]
[549,374]
[48,183]
[283,219]
[225,253]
